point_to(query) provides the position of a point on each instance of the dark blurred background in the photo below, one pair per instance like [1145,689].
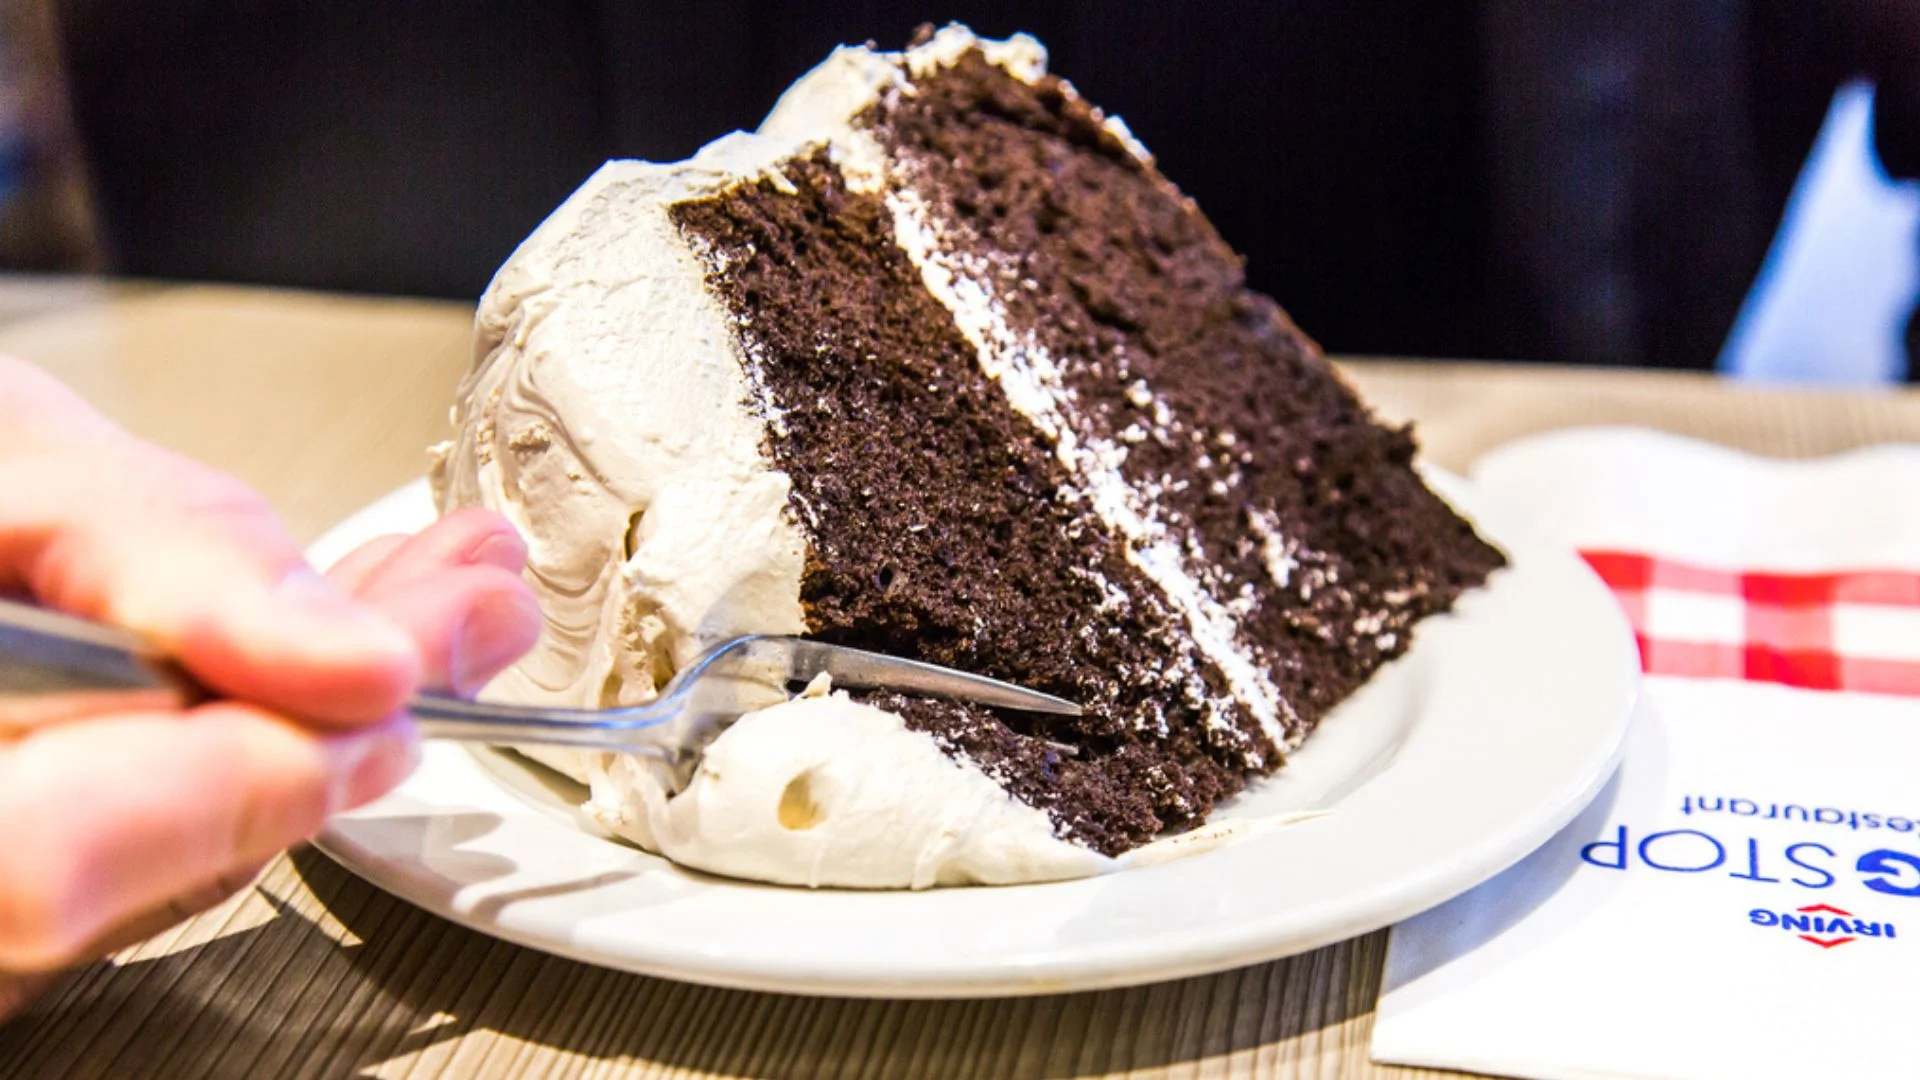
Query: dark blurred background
[1587,182]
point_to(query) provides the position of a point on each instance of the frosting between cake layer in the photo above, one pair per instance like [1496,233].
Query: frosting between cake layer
[1031,379]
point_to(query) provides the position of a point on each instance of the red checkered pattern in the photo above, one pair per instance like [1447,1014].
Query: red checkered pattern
[1856,630]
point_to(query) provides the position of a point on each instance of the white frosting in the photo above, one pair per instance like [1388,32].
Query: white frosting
[612,413]
[825,791]
[793,795]
[607,416]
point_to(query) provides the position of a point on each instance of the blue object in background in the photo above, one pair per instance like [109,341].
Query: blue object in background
[1839,283]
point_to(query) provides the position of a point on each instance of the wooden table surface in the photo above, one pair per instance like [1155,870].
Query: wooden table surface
[326,402]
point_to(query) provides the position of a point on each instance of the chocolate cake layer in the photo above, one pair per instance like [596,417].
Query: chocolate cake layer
[1282,487]
[942,528]
[946,523]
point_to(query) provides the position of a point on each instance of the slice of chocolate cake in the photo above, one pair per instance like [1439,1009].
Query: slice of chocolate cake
[937,364]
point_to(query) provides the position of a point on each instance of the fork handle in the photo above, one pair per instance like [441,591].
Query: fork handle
[56,667]
[628,730]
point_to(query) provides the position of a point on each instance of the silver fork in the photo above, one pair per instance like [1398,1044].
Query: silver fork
[46,658]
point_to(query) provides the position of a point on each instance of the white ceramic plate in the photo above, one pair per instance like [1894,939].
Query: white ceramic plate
[1499,725]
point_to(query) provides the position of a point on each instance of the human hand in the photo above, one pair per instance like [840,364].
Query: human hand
[120,824]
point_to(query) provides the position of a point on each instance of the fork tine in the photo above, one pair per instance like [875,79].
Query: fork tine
[878,671]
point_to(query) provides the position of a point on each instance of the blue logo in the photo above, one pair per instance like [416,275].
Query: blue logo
[1822,924]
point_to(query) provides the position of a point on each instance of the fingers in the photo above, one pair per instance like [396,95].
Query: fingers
[172,913]
[101,524]
[357,565]
[17,990]
[467,537]
[120,826]
[469,622]
[113,819]
[456,590]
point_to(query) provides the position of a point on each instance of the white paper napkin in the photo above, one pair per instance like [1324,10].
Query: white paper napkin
[1744,899]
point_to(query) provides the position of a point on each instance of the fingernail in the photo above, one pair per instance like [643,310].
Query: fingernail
[502,549]
[495,632]
[328,619]
[367,765]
